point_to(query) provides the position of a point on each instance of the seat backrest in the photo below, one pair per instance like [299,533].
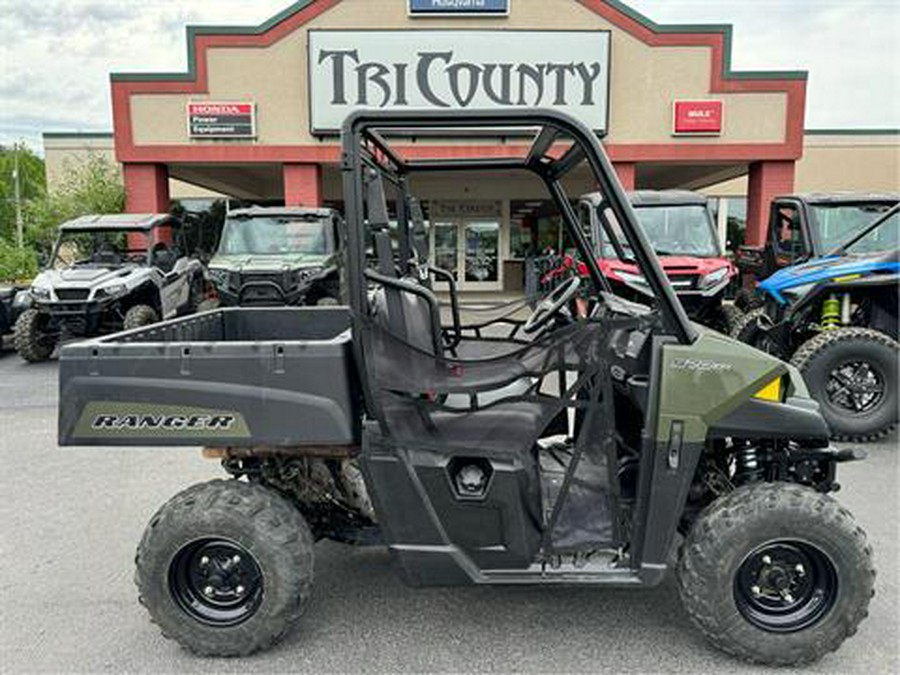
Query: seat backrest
[405,308]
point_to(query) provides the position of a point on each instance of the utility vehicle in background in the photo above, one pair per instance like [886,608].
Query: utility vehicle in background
[277,256]
[682,232]
[836,318]
[805,227]
[13,301]
[107,273]
[560,450]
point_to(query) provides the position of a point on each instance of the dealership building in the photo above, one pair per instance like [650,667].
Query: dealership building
[256,115]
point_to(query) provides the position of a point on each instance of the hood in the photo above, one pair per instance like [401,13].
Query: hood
[267,263]
[825,269]
[81,277]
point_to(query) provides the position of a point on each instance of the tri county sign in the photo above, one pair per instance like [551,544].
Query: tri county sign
[457,69]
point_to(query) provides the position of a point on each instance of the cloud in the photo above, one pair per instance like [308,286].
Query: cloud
[56,55]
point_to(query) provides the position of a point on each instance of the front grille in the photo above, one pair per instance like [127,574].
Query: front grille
[72,294]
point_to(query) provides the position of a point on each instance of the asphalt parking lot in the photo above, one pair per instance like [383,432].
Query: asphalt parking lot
[71,519]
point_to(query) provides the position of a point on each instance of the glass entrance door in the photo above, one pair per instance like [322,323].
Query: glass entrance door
[482,253]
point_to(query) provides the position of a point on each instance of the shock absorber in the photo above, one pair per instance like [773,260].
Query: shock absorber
[831,313]
[748,468]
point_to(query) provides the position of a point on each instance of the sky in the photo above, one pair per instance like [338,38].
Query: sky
[56,55]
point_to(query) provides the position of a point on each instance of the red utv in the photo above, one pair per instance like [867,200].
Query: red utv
[681,230]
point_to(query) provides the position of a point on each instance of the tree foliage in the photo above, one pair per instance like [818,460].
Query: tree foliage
[32,185]
[92,187]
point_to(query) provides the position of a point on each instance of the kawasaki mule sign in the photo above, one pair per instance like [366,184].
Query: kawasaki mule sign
[449,69]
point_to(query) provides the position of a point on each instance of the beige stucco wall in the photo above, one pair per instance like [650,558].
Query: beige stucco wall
[848,162]
[644,80]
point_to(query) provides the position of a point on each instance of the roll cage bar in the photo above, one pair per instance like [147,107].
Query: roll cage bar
[367,153]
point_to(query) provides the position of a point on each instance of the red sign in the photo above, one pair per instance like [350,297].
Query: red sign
[698,117]
[208,119]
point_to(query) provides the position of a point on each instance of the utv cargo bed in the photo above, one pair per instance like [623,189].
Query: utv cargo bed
[230,377]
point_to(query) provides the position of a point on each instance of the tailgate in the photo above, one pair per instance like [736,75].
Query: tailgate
[231,377]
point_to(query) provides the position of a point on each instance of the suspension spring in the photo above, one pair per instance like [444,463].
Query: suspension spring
[748,468]
[831,313]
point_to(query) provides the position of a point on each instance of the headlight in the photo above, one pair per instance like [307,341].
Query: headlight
[630,278]
[40,293]
[115,289]
[713,278]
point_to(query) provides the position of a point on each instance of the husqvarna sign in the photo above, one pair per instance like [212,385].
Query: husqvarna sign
[457,69]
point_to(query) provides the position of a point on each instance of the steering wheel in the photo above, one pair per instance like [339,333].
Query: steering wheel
[549,306]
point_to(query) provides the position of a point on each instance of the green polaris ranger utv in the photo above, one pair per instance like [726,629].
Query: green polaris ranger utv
[274,256]
[558,450]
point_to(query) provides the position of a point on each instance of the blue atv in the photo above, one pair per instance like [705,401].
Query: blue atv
[836,319]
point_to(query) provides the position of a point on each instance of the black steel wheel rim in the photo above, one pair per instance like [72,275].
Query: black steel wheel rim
[216,581]
[856,386]
[785,586]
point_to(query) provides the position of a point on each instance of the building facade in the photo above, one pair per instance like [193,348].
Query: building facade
[256,115]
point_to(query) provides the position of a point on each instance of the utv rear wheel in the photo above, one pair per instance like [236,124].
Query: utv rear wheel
[776,574]
[140,315]
[225,567]
[30,337]
[852,373]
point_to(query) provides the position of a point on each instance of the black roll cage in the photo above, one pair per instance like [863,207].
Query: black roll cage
[365,148]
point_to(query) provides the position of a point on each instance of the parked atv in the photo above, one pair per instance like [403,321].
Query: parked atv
[836,319]
[13,301]
[108,273]
[681,230]
[277,256]
[560,450]
[805,227]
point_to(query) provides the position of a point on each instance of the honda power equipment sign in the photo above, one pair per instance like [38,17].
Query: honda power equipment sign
[443,7]
[457,70]
[703,118]
[208,119]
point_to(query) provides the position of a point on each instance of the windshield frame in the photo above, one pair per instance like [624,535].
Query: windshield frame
[710,229]
[815,226]
[326,223]
[865,231]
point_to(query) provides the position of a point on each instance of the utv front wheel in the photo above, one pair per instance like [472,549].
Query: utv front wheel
[725,318]
[225,567]
[30,337]
[776,574]
[852,372]
[139,316]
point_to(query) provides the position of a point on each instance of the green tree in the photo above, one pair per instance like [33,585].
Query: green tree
[32,185]
[92,187]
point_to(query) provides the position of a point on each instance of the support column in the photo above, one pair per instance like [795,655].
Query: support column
[766,181]
[303,185]
[146,188]
[626,172]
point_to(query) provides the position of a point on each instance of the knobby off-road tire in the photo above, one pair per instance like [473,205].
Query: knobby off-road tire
[726,318]
[732,535]
[746,300]
[138,316]
[272,537]
[747,330]
[30,339]
[830,354]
